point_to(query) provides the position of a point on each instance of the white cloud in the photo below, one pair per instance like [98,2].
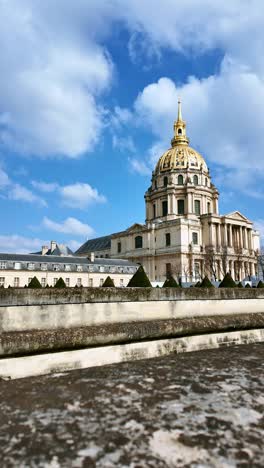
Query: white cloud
[45,186]
[18,192]
[259,225]
[80,195]
[4,179]
[124,144]
[20,244]
[69,226]
[48,94]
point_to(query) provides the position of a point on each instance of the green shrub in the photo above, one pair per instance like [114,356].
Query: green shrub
[240,285]
[247,286]
[34,283]
[198,284]
[60,284]
[227,282]
[108,283]
[206,283]
[170,283]
[47,286]
[139,280]
[260,284]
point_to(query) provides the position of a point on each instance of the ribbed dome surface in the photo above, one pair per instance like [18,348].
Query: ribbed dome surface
[179,157]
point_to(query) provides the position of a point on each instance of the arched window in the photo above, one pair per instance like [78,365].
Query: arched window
[180,180]
[165,181]
[164,208]
[195,180]
[206,182]
[179,131]
[168,239]
[138,242]
[154,211]
[155,184]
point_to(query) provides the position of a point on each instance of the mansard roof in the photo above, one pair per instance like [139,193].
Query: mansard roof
[93,245]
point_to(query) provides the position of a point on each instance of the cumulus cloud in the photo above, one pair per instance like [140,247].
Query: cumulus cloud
[53,110]
[20,244]
[68,226]
[4,179]
[44,186]
[18,192]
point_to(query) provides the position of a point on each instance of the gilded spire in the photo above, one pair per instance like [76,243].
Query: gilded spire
[180,137]
[179,111]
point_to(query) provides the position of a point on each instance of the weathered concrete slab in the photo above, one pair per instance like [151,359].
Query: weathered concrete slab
[197,409]
[21,367]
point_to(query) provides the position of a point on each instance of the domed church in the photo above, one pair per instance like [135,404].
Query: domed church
[184,235]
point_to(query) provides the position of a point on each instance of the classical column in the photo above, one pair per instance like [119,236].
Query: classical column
[246,238]
[230,235]
[241,237]
[189,203]
[210,233]
[225,234]
[216,205]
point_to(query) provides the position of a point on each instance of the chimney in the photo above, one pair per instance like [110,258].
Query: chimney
[92,257]
[44,249]
[53,246]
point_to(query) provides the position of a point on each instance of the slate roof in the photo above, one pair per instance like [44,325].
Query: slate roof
[60,249]
[93,245]
[60,261]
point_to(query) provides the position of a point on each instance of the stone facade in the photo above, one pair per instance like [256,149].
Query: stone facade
[184,234]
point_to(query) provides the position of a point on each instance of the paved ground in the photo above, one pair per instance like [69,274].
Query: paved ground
[202,409]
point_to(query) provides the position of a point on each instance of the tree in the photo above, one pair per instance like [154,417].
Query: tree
[261,261]
[210,261]
[140,279]
[198,284]
[170,283]
[34,283]
[60,284]
[260,284]
[206,283]
[227,282]
[108,283]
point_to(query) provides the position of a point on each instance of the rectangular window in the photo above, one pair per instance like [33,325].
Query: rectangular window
[31,266]
[43,266]
[168,239]
[154,211]
[67,267]
[168,270]
[197,207]
[119,247]
[2,281]
[208,207]
[17,266]
[79,268]
[195,238]
[164,208]
[16,282]
[2,265]
[55,281]
[79,282]
[101,269]
[56,267]
[90,282]
[101,281]
[180,204]
[121,283]
[43,282]
[197,269]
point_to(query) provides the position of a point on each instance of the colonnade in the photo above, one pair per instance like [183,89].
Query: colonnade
[230,235]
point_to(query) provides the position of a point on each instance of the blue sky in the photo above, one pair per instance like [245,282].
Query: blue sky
[88,96]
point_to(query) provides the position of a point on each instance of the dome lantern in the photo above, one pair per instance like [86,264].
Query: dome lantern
[180,137]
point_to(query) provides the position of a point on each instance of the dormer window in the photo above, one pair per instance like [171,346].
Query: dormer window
[31,266]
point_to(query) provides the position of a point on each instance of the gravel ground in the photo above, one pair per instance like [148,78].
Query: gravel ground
[200,409]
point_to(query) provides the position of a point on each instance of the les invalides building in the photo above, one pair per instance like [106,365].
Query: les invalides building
[184,234]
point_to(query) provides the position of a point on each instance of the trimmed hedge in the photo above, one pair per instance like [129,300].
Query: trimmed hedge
[139,280]
[247,286]
[260,284]
[60,284]
[108,283]
[227,282]
[206,283]
[198,284]
[170,283]
[34,283]
[240,285]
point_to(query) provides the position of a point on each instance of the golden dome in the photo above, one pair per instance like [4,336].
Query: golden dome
[180,155]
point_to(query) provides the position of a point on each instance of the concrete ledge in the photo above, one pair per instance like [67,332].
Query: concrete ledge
[36,341]
[14,368]
[13,297]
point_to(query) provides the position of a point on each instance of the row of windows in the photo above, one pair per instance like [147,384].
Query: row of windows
[43,282]
[180,181]
[181,208]
[139,240]
[79,268]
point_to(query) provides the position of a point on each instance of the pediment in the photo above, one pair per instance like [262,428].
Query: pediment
[135,228]
[237,216]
